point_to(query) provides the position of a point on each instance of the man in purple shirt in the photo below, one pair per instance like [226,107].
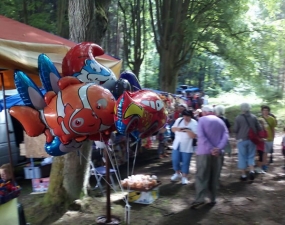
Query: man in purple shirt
[212,135]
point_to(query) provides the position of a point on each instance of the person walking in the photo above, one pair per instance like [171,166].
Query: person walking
[185,130]
[212,135]
[270,124]
[246,148]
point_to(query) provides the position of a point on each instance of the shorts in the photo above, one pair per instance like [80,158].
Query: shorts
[268,146]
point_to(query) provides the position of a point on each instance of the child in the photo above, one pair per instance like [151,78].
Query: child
[6,181]
[161,144]
[260,146]
[5,173]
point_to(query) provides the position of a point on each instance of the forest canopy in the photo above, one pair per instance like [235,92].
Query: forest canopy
[216,45]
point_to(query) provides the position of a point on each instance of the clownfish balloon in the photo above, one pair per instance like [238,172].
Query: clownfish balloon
[78,111]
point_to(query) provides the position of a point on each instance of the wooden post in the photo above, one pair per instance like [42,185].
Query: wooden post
[7,127]
[108,188]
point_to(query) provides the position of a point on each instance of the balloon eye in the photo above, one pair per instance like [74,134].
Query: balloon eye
[78,122]
[98,106]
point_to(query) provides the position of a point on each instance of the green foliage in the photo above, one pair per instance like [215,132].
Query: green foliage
[268,93]
[40,14]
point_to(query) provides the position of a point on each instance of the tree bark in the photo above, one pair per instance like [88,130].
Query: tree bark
[69,177]
[88,20]
[167,71]
[62,6]
[25,11]
[70,173]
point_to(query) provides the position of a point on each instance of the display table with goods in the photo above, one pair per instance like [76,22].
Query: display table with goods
[143,189]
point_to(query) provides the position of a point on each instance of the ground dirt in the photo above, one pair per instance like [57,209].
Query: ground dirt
[238,203]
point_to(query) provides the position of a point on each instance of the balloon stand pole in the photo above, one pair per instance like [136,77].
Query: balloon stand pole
[128,214]
[6,123]
[108,219]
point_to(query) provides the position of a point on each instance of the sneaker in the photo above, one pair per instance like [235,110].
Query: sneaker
[258,170]
[176,177]
[243,178]
[184,180]
[251,175]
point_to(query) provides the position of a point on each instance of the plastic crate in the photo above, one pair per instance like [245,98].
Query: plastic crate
[32,172]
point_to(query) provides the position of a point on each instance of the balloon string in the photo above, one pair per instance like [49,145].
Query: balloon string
[128,153]
[134,161]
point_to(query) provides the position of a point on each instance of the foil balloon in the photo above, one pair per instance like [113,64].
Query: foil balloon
[132,78]
[80,62]
[76,112]
[121,86]
[48,73]
[27,87]
[142,111]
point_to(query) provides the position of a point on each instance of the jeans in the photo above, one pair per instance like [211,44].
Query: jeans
[181,161]
[161,148]
[246,154]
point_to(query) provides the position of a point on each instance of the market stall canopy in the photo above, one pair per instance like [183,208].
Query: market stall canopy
[21,44]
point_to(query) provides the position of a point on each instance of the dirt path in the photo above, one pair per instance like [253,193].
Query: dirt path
[259,202]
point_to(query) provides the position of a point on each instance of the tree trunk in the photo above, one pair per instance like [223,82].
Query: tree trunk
[25,12]
[167,72]
[88,20]
[68,177]
[61,15]
[70,173]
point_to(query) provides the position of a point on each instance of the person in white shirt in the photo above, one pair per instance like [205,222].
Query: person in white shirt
[185,130]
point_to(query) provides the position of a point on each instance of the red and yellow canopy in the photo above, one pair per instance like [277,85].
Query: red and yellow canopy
[21,44]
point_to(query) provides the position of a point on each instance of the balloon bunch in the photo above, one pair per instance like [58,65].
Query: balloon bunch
[86,102]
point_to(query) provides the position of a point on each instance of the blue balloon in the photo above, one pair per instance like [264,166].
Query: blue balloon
[53,148]
[133,80]
[27,89]
[121,128]
[48,73]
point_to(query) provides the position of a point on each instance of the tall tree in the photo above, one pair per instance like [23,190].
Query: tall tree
[134,32]
[70,175]
[180,26]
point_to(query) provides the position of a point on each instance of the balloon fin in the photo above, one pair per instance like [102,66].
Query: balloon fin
[48,73]
[133,80]
[29,118]
[28,90]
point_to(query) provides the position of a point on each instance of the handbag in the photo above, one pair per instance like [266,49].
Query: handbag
[251,134]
